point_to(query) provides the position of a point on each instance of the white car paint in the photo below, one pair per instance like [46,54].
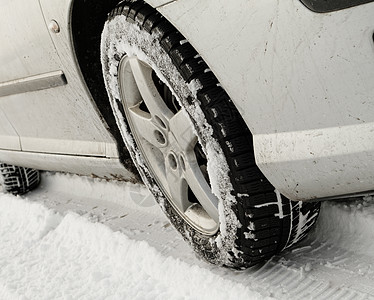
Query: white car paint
[8,135]
[301,80]
[48,120]
[303,83]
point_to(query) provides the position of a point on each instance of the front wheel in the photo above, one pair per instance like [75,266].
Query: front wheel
[191,146]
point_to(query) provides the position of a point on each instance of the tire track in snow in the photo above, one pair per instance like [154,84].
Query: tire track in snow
[336,261]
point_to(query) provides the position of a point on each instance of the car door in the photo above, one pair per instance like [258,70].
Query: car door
[43,99]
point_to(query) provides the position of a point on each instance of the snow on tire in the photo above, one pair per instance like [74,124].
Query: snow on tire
[191,146]
[18,180]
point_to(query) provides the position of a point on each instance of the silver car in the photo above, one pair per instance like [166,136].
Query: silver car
[234,115]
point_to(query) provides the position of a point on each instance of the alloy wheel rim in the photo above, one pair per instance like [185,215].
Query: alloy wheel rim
[166,139]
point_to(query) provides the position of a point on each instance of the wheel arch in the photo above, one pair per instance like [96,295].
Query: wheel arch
[87,21]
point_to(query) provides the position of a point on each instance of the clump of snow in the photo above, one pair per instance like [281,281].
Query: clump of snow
[303,224]
[249,235]
[121,38]
[280,205]
[251,226]
[194,86]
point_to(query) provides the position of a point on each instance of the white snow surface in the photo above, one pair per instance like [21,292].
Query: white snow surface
[48,255]
[82,238]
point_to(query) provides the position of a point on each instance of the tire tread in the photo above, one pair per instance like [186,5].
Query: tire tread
[261,221]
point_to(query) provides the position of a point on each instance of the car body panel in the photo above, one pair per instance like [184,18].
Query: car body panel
[102,167]
[298,78]
[301,80]
[26,47]
[8,136]
[62,119]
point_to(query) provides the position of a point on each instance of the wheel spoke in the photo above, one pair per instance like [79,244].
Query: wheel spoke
[181,127]
[151,97]
[178,187]
[200,188]
[145,128]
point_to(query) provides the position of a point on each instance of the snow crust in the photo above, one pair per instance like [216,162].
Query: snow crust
[45,255]
[122,38]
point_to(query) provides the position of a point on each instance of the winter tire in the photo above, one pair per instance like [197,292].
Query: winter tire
[18,180]
[191,146]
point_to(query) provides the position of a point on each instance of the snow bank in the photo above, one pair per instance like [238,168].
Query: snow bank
[348,224]
[44,255]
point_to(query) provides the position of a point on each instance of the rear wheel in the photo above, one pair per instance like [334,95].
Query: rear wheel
[190,144]
[18,180]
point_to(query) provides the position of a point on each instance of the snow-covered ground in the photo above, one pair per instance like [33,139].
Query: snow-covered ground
[83,238]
